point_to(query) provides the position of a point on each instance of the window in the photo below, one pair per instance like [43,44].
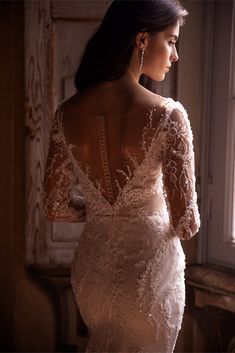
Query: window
[217,241]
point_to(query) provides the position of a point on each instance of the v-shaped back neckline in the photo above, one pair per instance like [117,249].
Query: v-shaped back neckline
[136,170]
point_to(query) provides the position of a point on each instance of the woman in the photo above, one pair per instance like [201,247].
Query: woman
[121,159]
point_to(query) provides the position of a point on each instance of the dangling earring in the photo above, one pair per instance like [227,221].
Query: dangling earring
[141,59]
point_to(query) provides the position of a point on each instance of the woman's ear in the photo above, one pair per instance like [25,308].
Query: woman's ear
[141,39]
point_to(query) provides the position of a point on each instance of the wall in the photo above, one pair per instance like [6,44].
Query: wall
[27,320]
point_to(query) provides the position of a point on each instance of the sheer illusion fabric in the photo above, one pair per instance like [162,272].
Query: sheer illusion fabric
[132,181]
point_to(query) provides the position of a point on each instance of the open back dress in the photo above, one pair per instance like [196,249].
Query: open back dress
[133,182]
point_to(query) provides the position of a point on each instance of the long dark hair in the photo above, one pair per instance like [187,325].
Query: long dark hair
[108,52]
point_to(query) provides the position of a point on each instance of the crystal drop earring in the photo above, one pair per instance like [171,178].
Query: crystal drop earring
[141,59]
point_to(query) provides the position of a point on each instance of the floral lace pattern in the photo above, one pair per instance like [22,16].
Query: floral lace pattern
[59,179]
[127,273]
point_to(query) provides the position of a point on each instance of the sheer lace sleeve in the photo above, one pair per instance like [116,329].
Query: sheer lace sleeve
[178,174]
[59,179]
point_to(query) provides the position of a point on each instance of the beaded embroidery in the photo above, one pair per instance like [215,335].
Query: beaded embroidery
[127,272]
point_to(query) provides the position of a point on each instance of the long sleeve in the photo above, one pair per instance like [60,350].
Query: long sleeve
[178,174]
[59,179]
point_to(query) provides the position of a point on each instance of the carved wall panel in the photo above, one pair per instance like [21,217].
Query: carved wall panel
[55,35]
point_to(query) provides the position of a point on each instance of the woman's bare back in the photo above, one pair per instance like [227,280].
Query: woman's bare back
[106,126]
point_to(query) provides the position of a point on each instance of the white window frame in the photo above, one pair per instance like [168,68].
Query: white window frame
[216,245]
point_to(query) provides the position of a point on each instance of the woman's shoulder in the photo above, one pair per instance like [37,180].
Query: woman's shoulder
[148,97]
[175,115]
[70,101]
[170,104]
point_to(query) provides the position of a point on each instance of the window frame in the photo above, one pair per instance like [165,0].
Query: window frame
[215,243]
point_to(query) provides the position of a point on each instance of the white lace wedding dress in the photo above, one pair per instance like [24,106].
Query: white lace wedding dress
[139,197]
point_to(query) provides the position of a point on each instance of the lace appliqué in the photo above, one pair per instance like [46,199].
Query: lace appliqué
[59,179]
[147,139]
[178,173]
